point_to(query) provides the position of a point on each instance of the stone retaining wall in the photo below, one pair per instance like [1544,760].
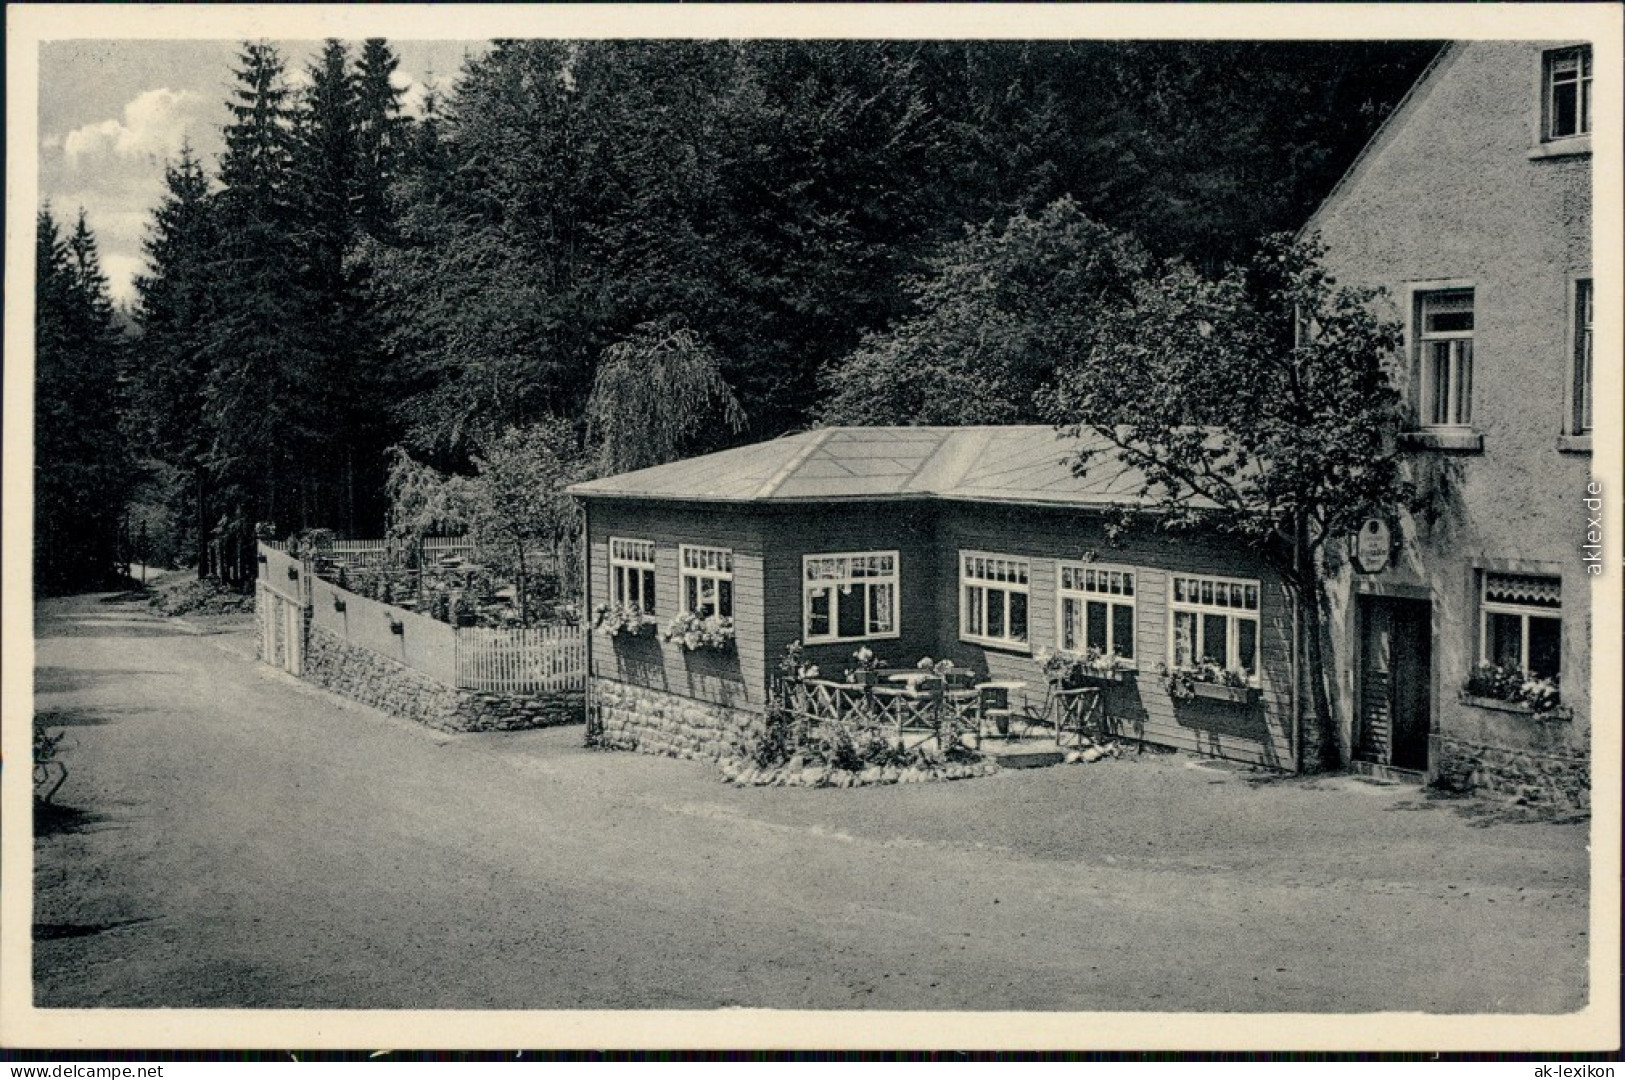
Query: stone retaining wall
[1535,779]
[660,722]
[360,674]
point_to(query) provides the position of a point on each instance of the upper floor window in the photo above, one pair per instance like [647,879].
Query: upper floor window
[1567,104]
[1097,609]
[1521,623]
[994,590]
[1580,421]
[1215,621]
[847,597]
[632,574]
[707,581]
[1445,341]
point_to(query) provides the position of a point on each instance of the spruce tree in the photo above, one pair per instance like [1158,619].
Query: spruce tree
[174,302]
[262,368]
[81,468]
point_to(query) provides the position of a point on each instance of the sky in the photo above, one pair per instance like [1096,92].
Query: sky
[113,111]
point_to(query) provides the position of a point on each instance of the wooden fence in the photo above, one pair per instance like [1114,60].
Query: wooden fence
[522,661]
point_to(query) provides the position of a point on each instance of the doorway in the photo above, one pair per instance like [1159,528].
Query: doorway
[1394,708]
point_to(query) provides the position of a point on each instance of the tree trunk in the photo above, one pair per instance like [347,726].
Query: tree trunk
[1311,611]
[202,532]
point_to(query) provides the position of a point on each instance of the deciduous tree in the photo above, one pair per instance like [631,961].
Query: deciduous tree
[1258,405]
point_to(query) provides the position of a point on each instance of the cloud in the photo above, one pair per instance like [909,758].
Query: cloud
[153,126]
[414,92]
[121,271]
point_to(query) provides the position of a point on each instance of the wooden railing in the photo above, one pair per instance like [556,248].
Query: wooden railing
[911,717]
[937,712]
[522,661]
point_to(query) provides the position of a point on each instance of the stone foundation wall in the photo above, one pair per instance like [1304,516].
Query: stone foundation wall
[362,675]
[1535,779]
[478,710]
[659,722]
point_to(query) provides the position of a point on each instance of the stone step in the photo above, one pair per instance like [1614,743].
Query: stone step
[1022,754]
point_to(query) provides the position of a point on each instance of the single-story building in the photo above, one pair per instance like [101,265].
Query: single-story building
[975,544]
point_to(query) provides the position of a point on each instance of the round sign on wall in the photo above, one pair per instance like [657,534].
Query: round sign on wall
[1373,546]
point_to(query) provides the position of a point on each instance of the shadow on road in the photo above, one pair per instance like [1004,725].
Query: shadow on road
[60,680]
[57,931]
[51,819]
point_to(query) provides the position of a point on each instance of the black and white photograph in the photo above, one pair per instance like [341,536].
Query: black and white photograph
[828,527]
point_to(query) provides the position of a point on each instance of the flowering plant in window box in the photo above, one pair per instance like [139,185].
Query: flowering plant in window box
[693,631]
[1071,670]
[867,671]
[1494,685]
[1209,680]
[616,619]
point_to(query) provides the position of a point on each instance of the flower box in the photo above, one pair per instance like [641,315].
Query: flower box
[1236,695]
[1495,703]
[1520,708]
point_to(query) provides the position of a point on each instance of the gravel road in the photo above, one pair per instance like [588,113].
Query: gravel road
[234,838]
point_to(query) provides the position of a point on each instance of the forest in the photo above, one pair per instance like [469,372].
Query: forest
[589,256]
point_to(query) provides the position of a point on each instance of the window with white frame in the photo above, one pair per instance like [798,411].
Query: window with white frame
[994,591]
[1215,621]
[1567,93]
[849,597]
[1580,421]
[1096,609]
[1520,622]
[707,579]
[632,574]
[1444,320]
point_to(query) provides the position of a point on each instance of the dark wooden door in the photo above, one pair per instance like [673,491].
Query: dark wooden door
[1411,671]
[1396,638]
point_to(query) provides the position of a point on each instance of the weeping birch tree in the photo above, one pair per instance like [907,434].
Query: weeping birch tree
[658,396]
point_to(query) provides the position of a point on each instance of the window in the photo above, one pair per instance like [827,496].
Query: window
[1567,104]
[847,597]
[1445,340]
[632,574]
[1580,421]
[1215,621]
[1097,609]
[993,599]
[707,581]
[1521,622]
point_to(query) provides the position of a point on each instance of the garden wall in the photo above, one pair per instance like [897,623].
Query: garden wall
[424,644]
[353,671]
[354,653]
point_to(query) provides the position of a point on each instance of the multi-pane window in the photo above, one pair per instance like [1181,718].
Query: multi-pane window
[1097,609]
[1215,621]
[994,590]
[846,597]
[707,577]
[1568,92]
[1445,338]
[1583,309]
[632,574]
[1521,622]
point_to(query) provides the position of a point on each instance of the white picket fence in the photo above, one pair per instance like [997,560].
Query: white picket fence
[526,661]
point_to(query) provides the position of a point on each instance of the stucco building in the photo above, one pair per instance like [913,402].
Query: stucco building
[1472,208]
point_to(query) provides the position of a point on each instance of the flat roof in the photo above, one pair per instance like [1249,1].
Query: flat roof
[1016,464]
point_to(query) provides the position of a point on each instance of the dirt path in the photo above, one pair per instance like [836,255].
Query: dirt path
[236,838]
